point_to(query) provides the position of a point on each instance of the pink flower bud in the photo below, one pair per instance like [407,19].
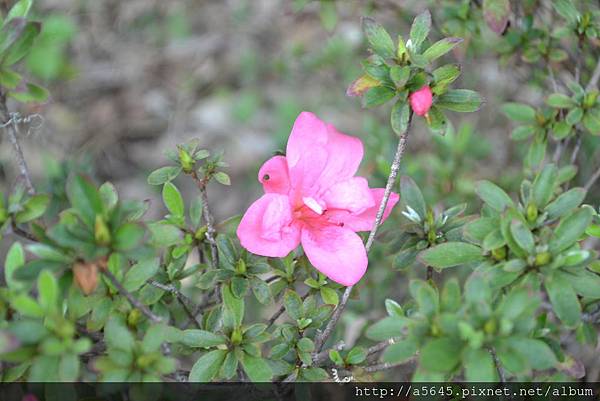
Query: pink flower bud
[420,101]
[29,397]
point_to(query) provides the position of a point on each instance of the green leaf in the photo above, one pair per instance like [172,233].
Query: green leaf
[399,75]
[522,236]
[329,296]
[356,355]
[567,10]
[15,259]
[522,132]
[19,10]
[239,286]
[519,112]
[591,121]
[48,252]
[139,273]
[560,101]
[128,236]
[400,116]
[440,48]
[163,174]
[48,291]
[496,14]
[378,38]
[570,229]
[451,297]
[440,355]
[426,296]
[173,200]
[222,178]
[574,116]
[233,304]
[461,100]
[207,366]
[261,290]
[493,195]
[387,328]
[536,352]
[27,306]
[437,121]
[68,368]
[420,29]
[544,184]
[22,45]
[393,308]
[400,351]
[30,93]
[9,79]
[84,197]
[108,194]
[446,74]
[378,95]
[479,366]
[410,195]
[202,338]
[293,305]
[33,208]
[450,254]
[257,369]
[564,300]
[565,203]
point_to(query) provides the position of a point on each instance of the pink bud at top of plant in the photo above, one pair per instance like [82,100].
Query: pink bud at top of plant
[29,397]
[420,101]
[312,197]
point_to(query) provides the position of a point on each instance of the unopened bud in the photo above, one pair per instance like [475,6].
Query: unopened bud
[236,336]
[420,101]
[499,253]
[86,276]
[187,162]
[532,212]
[543,258]
[101,231]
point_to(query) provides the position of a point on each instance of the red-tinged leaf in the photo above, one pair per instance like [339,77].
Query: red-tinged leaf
[496,13]
[361,85]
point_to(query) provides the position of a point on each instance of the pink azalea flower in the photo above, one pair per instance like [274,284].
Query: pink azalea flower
[313,198]
[421,100]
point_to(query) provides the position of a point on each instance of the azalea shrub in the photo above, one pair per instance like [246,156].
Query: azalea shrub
[408,269]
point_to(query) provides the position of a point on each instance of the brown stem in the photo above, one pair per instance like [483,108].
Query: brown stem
[592,180]
[11,130]
[183,300]
[497,365]
[324,335]
[143,308]
[208,218]
[595,77]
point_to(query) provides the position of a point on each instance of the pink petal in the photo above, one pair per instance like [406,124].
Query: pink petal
[309,135]
[365,220]
[353,195]
[336,252]
[267,228]
[274,175]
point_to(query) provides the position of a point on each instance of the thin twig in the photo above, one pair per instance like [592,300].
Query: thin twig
[324,335]
[385,366]
[208,218]
[592,180]
[498,367]
[143,308]
[576,149]
[183,300]
[12,134]
[281,310]
[323,356]
[380,346]
[22,233]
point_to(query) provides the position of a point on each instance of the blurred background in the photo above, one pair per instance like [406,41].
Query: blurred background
[131,79]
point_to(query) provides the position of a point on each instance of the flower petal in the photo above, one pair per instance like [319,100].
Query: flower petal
[343,154]
[274,175]
[336,252]
[365,220]
[353,195]
[267,227]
